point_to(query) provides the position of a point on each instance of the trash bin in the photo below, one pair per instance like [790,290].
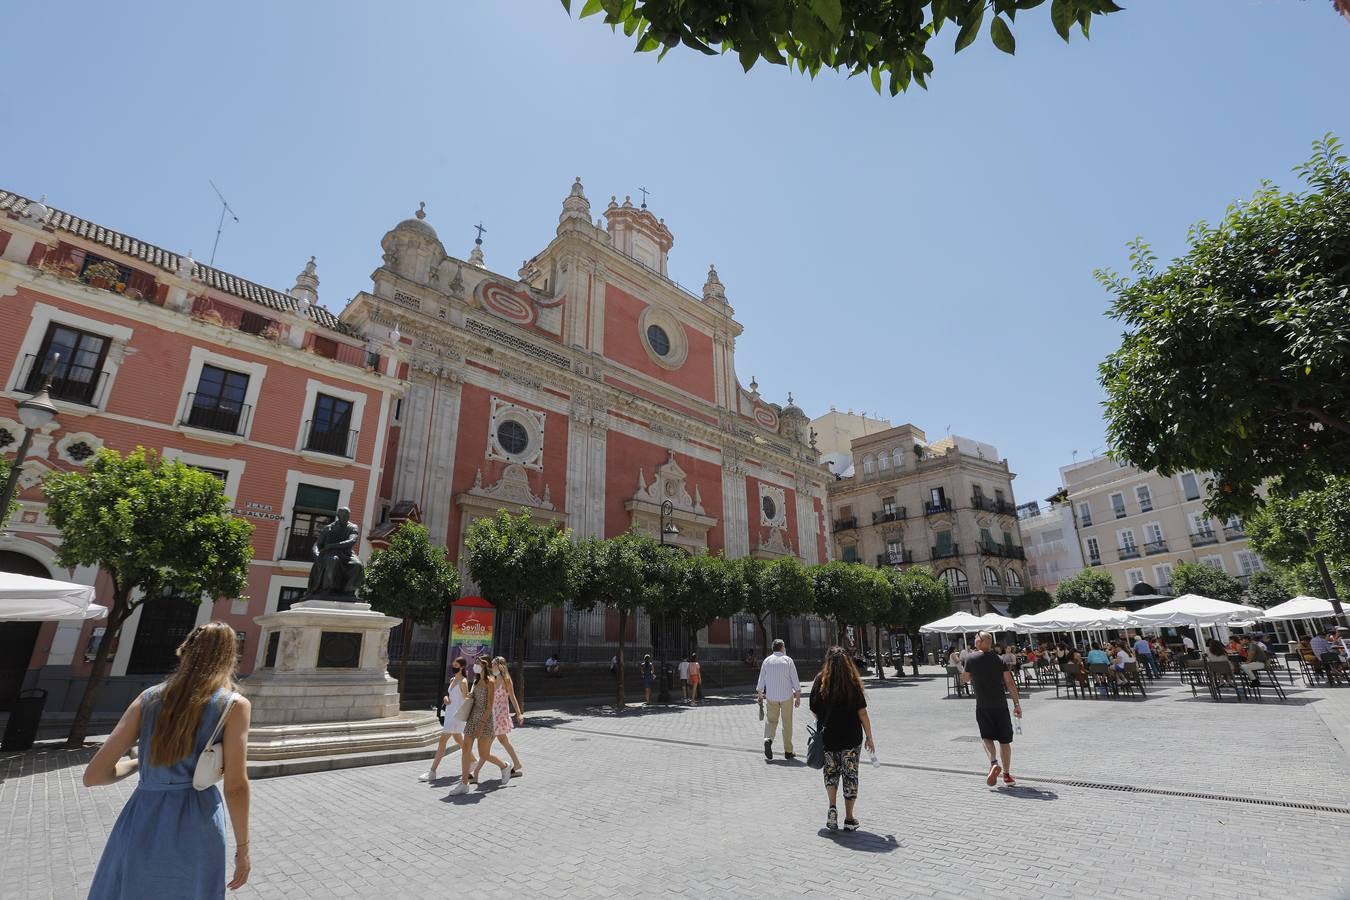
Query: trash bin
[21,729]
[931,660]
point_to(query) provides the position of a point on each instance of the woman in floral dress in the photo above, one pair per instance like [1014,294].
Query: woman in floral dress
[503,698]
[479,726]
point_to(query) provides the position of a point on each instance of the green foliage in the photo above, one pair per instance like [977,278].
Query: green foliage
[13,507]
[1092,588]
[1267,589]
[1236,357]
[713,587]
[927,596]
[841,592]
[886,39]
[154,526]
[1287,530]
[516,561]
[1207,581]
[412,579]
[613,573]
[1029,603]
[781,587]
[157,528]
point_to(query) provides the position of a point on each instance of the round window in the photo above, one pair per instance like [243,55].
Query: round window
[770,509]
[660,341]
[513,437]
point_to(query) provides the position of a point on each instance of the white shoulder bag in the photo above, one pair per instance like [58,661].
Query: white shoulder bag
[211,762]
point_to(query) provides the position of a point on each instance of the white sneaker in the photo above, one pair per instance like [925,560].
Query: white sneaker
[506,774]
[427,776]
[459,788]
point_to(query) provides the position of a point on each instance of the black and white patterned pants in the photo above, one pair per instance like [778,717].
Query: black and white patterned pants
[842,763]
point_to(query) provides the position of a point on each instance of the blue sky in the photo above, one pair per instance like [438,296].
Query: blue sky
[928,257]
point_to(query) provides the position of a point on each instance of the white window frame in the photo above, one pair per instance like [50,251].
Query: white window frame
[1133,577]
[1156,527]
[45,315]
[898,458]
[1213,561]
[201,356]
[1122,544]
[1201,524]
[869,464]
[1248,562]
[883,461]
[1181,485]
[1159,570]
[991,578]
[1143,496]
[313,388]
[1092,548]
[1122,510]
[294,478]
[233,468]
[1084,513]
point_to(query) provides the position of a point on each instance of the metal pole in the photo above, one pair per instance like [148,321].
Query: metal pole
[663,695]
[12,482]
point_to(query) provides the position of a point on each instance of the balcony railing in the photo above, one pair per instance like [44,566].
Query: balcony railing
[75,384]
[1234,532]
[1119,511]
[1004,508]
[1145,506]
[901,558]
[1131,552]
[889,515]
[214,414]
[1152,547]
[1085,521]
[1002,551]
[1203,538]
[946,552]
[961,590]
[298,547]
[932,509]
[335,441]
[845,524]
[1094,560]
[979,501]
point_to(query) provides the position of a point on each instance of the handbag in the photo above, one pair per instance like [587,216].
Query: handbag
[211,762]
[815,744]
[465,709]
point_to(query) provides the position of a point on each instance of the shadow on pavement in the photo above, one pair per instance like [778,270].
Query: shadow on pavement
[788,763]
[49,758]
[537,721]
[1269,700]
[862,841]
[1022,792]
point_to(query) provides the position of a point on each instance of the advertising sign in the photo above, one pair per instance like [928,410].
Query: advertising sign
[471,621]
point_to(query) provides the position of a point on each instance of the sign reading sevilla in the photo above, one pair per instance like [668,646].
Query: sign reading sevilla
[471,621]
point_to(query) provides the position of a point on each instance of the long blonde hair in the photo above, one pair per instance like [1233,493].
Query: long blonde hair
[206,662]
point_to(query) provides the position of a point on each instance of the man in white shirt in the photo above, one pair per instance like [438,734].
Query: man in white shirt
[780,690]
[1187,643]
[684,678]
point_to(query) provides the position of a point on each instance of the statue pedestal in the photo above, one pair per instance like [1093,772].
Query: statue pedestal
[324,687]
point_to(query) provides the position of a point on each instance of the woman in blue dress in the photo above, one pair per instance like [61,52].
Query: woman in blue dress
[169,840]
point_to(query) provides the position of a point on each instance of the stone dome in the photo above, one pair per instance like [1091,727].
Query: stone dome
[418,225]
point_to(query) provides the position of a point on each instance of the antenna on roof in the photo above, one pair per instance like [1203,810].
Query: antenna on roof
[224,208]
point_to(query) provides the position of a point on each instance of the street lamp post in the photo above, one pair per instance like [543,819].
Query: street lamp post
[36,412]
[666,526]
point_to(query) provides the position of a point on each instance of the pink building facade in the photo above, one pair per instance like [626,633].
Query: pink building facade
[288,406]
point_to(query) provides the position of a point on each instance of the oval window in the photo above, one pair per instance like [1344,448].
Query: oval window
[512,437]
[770,508]
[659,340]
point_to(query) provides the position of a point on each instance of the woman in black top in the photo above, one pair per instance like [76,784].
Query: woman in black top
[841,718]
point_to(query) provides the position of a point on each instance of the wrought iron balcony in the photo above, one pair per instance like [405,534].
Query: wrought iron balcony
[1131,552]
[1094,560]
[215,414]
[903,557]
[979,501]
[932,509]
[1203,538]
[845,524]
[335,441]
[1234,532]
[1004,508]
[946,552]
[71,382]
[889,515]
[1152,547]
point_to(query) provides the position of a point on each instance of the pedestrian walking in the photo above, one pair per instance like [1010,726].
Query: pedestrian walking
[503,698]
[988,677]
[695,678]
[648,676]
[1143,652]
[780,690]
[478,728]
[456,695]
[169,840]
[841,721]
[684,679]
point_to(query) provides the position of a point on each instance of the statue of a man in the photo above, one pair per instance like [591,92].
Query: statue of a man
[337,572]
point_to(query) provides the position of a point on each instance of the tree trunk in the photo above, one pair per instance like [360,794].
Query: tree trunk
[403,664]
[1328,585]
[618,659]
[763,635]
[876,648]
[79,726]
[916,643]
[522,630]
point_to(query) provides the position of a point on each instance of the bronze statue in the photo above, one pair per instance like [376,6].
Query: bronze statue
[337,572]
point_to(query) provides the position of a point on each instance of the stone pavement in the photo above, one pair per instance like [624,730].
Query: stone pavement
[680,802]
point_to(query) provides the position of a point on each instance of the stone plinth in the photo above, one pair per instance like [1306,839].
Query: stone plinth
[324,687]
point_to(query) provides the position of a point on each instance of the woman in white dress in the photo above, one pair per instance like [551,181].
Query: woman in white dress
[455,694]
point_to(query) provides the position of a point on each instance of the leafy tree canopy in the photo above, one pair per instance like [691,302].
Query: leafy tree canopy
[886,39]
[840,592]
[713,588]
[516,561]
[1207,581]
[1092,588]
[1286,531]
[1236,358]
[928,597]
[1267,589]
[1029,603]
[412,578]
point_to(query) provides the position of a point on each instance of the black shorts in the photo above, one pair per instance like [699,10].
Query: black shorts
[995,724]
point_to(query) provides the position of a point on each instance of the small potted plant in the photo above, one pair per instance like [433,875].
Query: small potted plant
[102,274]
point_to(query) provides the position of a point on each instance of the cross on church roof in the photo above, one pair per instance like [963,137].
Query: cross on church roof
[481,229]
[644,196]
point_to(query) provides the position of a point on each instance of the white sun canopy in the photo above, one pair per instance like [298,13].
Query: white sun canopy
[1195,610]
[994,622]
[1301,607]
[1070,617]
[956,623]
[24,598]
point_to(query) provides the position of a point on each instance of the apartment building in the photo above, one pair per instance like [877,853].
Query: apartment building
[1053,551]
[948,505]
[1139,525]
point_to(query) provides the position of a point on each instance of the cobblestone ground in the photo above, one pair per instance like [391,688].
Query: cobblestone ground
[680,801]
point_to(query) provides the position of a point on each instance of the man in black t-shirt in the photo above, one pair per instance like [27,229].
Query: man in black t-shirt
[988,676]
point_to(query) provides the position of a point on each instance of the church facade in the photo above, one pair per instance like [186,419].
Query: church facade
[586,390]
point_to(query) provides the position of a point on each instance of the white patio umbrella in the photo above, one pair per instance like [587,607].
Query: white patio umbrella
[24,598]
[995,622]
[962,623]
[1301,607]
[1070,617]
[1195,611]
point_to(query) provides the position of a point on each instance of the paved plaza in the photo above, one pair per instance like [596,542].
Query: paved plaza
[681,802]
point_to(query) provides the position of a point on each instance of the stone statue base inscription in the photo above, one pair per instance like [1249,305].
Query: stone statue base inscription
[325,688]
